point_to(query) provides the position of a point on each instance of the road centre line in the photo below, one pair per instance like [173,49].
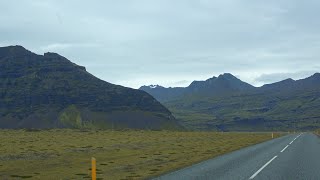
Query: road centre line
[256,173]
[284,148]
[264,166]
[295,138]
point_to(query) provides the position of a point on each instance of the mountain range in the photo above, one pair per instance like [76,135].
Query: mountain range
[226,103]
[216,86]
[49,91]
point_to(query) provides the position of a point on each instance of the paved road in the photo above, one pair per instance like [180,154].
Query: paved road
[292,157]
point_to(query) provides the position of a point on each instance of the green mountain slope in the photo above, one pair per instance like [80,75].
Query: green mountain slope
[286,105]
[50,91]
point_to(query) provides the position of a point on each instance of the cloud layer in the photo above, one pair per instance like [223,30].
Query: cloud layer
[137,42]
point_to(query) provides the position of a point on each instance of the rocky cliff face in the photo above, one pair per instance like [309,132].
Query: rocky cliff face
[50,91]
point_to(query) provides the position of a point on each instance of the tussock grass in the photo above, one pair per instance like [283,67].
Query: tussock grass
[66,154]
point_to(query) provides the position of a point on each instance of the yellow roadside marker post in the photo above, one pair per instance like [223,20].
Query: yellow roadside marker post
[93,169]
[272,135]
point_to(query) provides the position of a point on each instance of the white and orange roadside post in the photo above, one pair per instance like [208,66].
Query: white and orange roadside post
[93,168]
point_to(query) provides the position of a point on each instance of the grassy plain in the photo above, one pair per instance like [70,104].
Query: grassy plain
[66,154]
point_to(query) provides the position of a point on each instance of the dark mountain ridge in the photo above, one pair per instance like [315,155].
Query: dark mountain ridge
[216,86]
[312,82]
[49,91]
[227,84]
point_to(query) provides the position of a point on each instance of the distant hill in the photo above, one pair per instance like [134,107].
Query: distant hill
[290,85]
[215,86]
[226,104]
[49,91]
[163,94]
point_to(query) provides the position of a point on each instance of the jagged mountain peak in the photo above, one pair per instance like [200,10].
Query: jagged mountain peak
[16,50]
[226,75]
[52,55]
[155,86]
[152,86]
[224,84]
[316,75]
[14,47]
[288,80]
[280,84]
[229,77]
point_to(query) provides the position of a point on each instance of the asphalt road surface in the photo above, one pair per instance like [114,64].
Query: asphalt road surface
[291,157]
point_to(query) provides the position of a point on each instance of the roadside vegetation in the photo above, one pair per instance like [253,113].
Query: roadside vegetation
[66,154]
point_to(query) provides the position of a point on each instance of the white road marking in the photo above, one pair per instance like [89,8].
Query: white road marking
[264,166]
[298,136]
[255,174]
[295,138]
[284,148]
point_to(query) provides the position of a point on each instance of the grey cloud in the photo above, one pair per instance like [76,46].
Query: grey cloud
[127,41]
[271,78]
[182,83]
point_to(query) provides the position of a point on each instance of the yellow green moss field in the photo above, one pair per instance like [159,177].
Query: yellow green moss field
[66,154]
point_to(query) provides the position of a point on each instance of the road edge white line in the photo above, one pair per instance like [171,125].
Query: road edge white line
[284,148]
[264,166]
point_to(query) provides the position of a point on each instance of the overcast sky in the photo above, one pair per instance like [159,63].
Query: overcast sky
[171,42]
